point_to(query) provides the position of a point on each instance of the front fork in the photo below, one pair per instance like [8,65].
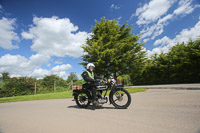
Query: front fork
[112,92]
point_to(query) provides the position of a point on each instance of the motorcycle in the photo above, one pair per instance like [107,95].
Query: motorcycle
[119,97]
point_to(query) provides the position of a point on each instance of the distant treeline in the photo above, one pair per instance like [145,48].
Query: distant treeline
[180,65]
[26,85]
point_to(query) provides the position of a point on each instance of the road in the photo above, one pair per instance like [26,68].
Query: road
[153,111]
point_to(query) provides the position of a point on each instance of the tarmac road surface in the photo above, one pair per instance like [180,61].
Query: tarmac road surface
[153,111]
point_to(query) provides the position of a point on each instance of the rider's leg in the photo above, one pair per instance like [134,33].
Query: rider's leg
[91,88]
[94,91]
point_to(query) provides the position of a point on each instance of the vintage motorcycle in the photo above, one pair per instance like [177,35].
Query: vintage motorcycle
[117,95]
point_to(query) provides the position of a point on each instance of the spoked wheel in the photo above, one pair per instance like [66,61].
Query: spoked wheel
[82,100]
[121,98]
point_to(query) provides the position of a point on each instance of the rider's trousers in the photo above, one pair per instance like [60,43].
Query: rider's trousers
[92,88]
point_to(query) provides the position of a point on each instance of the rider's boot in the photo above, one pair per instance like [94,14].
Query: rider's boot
[95,102]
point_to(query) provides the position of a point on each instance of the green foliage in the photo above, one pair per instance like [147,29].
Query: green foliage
[4,76]
[125,79]
[111,48]
[17,86]
[48,83]
[78,82]
[57,95]
[72,77]
[137,67]
[180,65]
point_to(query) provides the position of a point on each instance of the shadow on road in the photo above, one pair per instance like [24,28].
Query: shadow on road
[1,131]
[91,107]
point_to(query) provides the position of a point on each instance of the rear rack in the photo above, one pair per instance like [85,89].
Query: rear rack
[77,87]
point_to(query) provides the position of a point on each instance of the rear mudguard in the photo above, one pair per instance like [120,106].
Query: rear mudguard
[76,93]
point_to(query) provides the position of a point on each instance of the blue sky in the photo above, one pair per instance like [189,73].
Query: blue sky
[42,37]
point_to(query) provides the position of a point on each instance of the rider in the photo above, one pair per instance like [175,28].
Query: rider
[89,77]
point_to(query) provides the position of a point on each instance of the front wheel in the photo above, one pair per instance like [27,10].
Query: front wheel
[120,98]
[82,100]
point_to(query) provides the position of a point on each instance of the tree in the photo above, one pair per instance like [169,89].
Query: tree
[5,76]
[51,82]
[72,77]
[48,81]
[111,47]
[17,86]
[180,65]
[185,62]
[137,67]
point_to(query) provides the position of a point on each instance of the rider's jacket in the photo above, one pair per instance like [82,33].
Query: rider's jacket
[88,76]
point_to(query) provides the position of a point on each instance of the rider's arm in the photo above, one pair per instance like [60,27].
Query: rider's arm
[97,77]
[86,77]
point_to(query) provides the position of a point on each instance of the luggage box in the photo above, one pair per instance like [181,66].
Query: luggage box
[76,87]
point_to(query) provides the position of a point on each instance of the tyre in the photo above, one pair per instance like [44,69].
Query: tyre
[120,98]
[82,100]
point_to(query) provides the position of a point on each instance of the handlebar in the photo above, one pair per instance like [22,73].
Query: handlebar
[105,81]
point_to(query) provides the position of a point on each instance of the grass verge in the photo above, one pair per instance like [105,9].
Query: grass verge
[57,95]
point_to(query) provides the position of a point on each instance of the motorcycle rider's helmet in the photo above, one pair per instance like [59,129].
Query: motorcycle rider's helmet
[90,65]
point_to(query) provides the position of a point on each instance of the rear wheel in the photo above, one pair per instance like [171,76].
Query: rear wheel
[121,98]
[82,100]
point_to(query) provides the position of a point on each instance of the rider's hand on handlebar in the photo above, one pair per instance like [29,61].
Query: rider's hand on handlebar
[98,80]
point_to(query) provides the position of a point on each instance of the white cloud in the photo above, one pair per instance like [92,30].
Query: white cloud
[187,34]
[56,37]
[152,31]
[155,23]
[40,73]
[158,50]
[184,36]
[165,40]
[59,70]
[119,18]
[185,7]
[61,67]
[20,65]
[113,6]
[9,60]
[58,62]
[14,64]
[38,60]
[164,19]
[146,40]
[8,37]
[26,35]
[62,74]
[152,11]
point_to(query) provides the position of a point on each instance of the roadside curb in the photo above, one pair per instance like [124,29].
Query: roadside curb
[169,86]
